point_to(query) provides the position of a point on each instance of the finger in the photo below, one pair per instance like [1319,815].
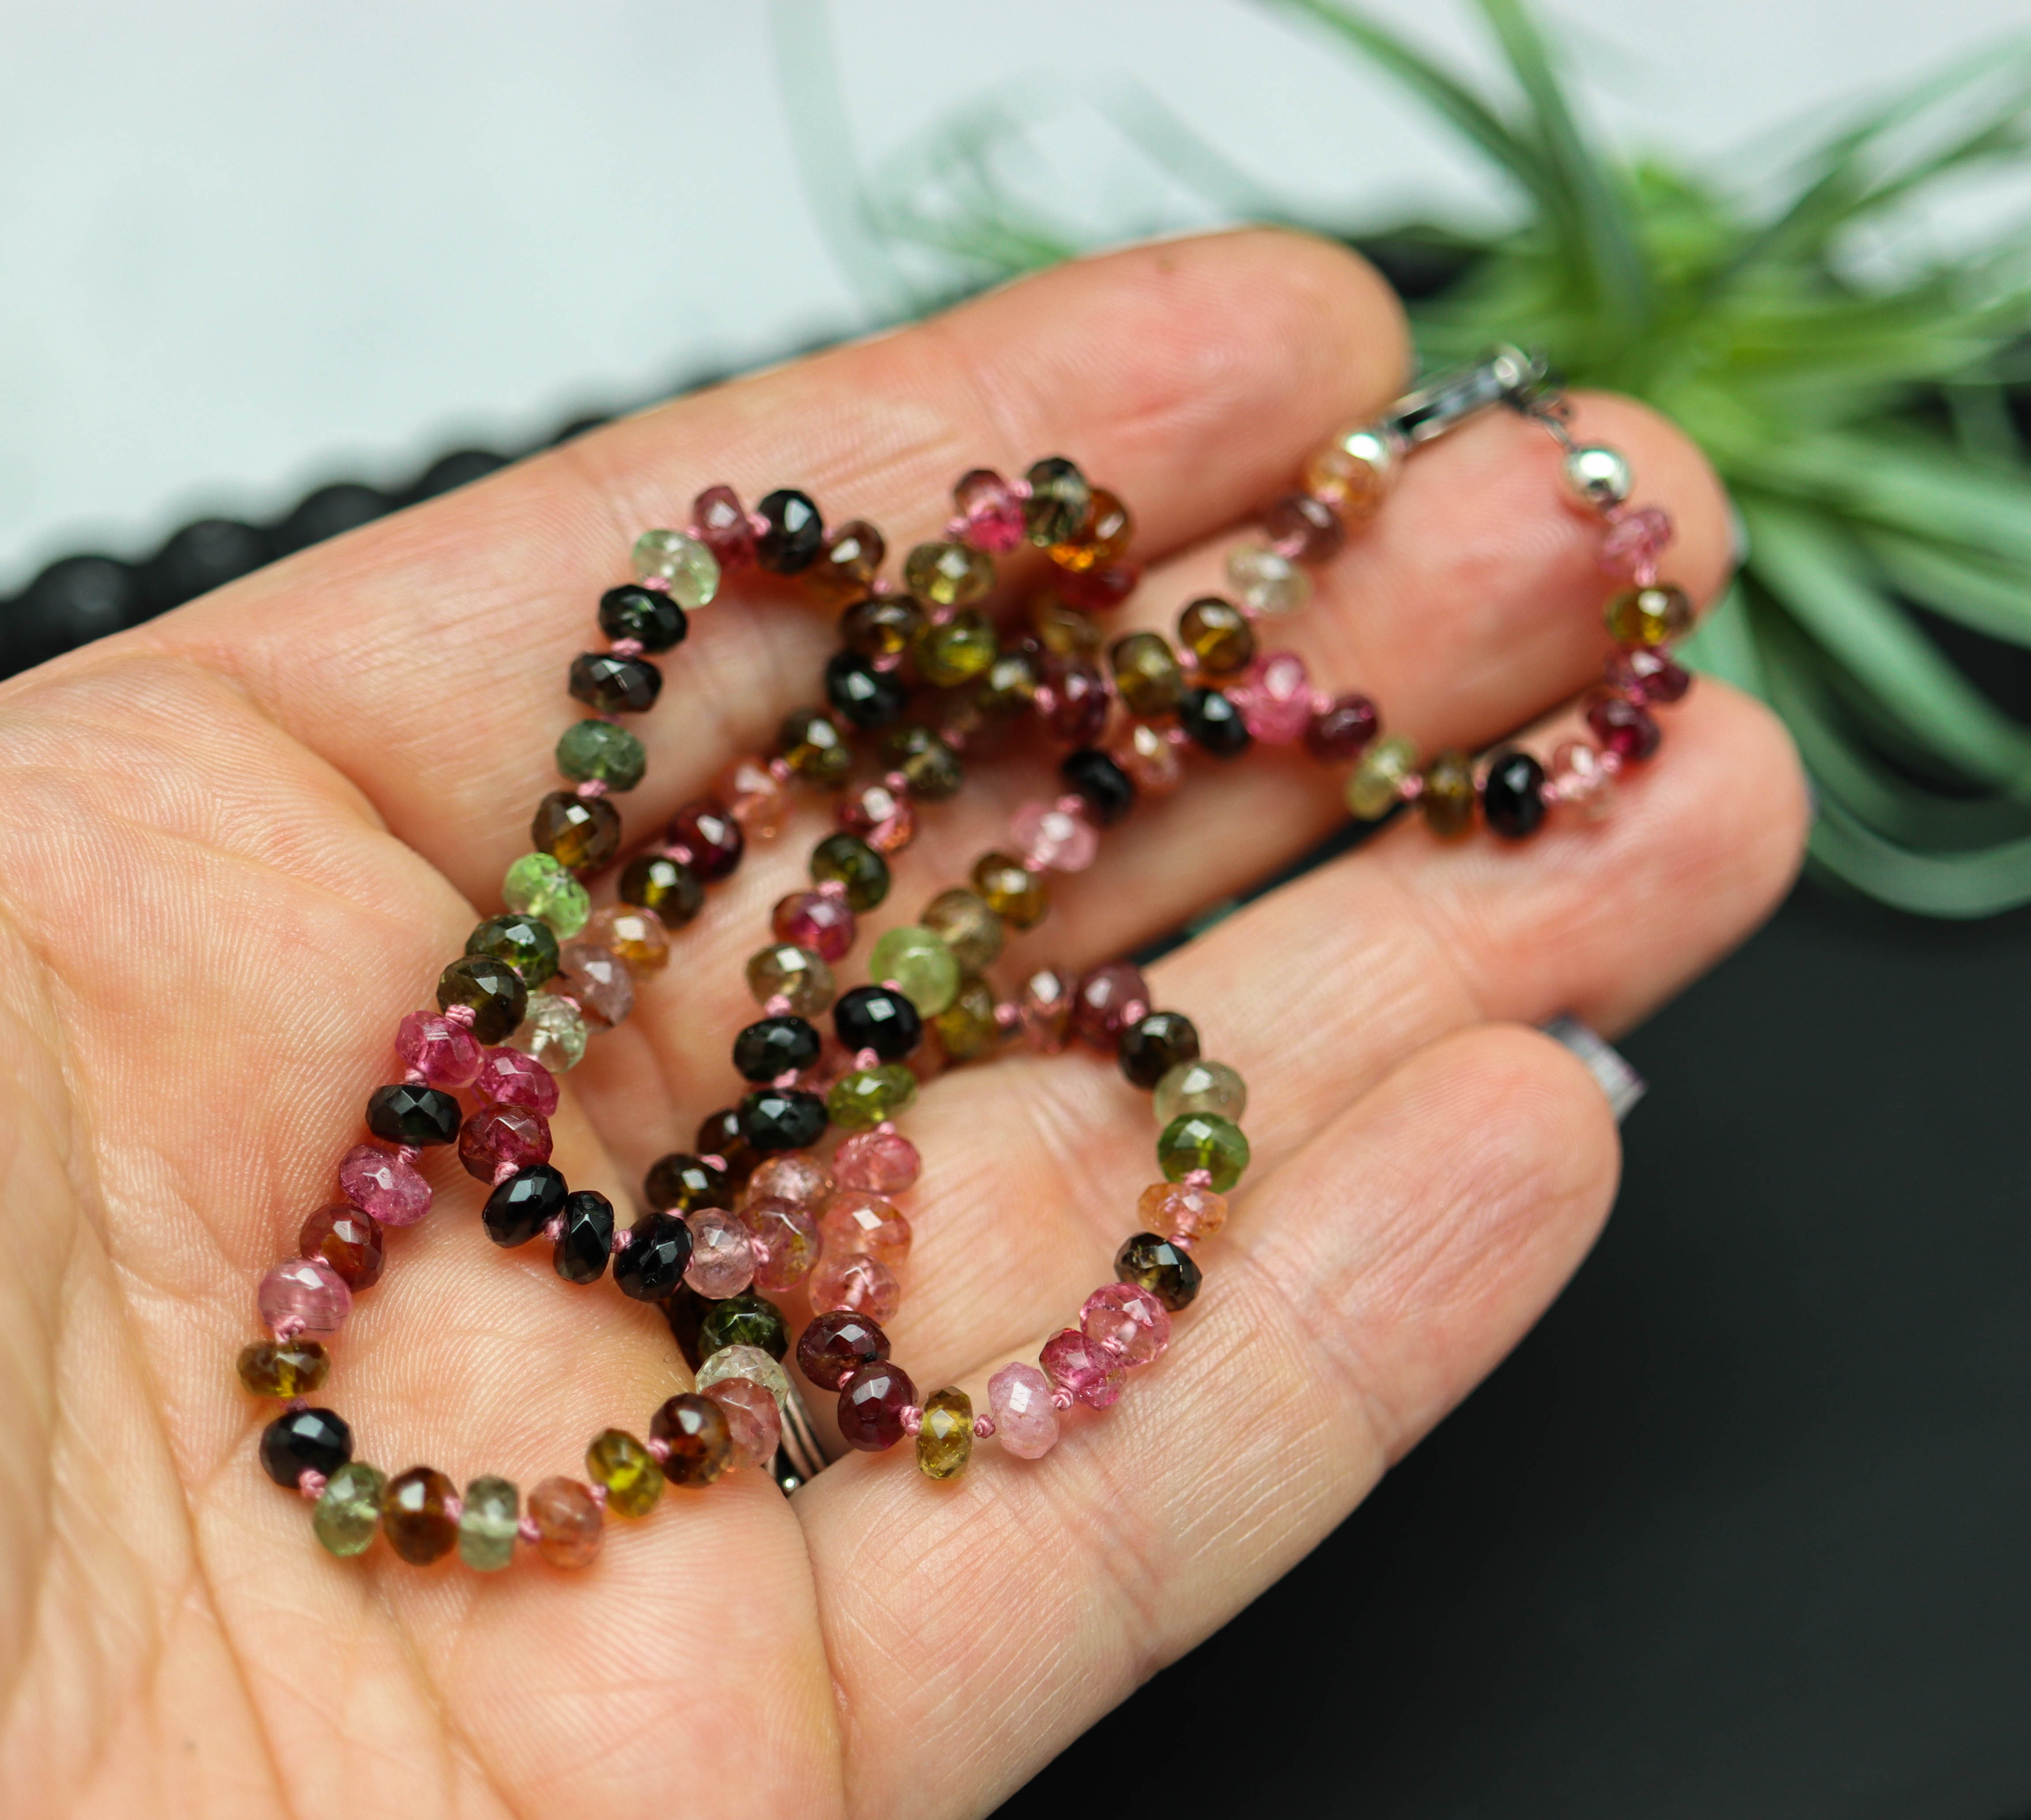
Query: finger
[1384,1269]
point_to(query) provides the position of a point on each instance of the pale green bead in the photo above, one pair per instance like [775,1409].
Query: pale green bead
[349,1508]
[1377,782]
[1200,1086]
[486,1524]
[1265,581]
[553,1030]
[678,558]
[748,1362]
[538,885]
[917,960]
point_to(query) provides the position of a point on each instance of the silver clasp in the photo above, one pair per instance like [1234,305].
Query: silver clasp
[1506,376]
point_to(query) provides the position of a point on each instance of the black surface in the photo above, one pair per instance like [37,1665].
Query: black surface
[1744,1527]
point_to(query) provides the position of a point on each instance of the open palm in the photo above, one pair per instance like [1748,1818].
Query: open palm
[236,845]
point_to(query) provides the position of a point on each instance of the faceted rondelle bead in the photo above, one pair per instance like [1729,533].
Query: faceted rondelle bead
[1196,1085]
[385,1185]
[303,1295]
[498,1137]
[712,838]
[1266,580]
[1044,1010]
[600,752]
[722,523]
[944,1441]
[1203,1140]
[1512,797]
[569,1523]
[415,1516]
[508,1077]
[526,943]
[1059,502]
[1303,528]
[803,1181]
[1153,1262]
[654,1261]
[751,1363]
[1215,722]
[837,1343]
[754,795]
[969,1028]
[1102,538]
[1152,1046]
[954,650]
[1073,700]
[1377,784]
[654,617]
[670,888]
[538,887]
[880,1162]
[720,1136]
[1646,676]
[522,1206]
[1148,759]
[930,767]
[722,1259]
[948,574]
[784,1237]
[597,980]
[1621,727]
[795,975]
[870,1096]
[867,695]
[403,1114]
[1026,1421]
[627,1469]
[582,833]
[1649,616]
[635,934]
[871,1403]
[923,968]
[292,1367]
[609,684]
[848,861]
[881,815]
[489,1519]
[1098,590]
[348,1509]
[777,1118]
[681,1182]
[443,1052]
[553,1033]
[775,1046]
[300,1440]
[1581,780]
[858,1223]
[879,1018]
[858,1284]
[582,1249]
[1178,1209]
[1446,800]
[1053,839]
[819,920]
[348,1240]
[1008,687]
[1217,633]
[993,514]
[743,1320]
[971,931]
[792,533]
[1354,472]
[1127,1321]
[1093,1374]
[813,748]
[845,568]
[1011,890]
[754,1420]
[1108,791]
[685,565]
[694,1429]
[1276,699]
[1342,729]
[1108,999]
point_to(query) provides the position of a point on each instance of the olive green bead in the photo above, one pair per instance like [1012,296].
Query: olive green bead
[293,1368]
[796,974]
[1217,633]
[495,994]
[670,888]
[601,751]
[968,927]
[884,625]
[948,574]
[1377,782]
[527,943]
[1016,894]
[1645,617]
[847,859]
[930,767]
[1202,1140]
[1448,798]
[1059,502]
[349,1508]
[967,1027]
[945,1441]
[814,748]
[1146,675]
[955,651]
[633,1481]
[539,886]
[743,1320]
[922,966]
[863,1099]
[1007,687]
[487,1519]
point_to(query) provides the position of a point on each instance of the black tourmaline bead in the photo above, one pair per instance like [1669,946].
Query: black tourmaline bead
[1151,1262]
[867,696]
[719,1134]
[525,1203]
[647,615]
[775,1118]
[1513,797]
[615,685]
[792,535]
[1214,721]
[775,1046]
[743,1320]
[304,1440]
[582,1247]
[680,1182]
[652,1263]
[403,1114]
[1152,1047]
[491,989]
[670,888]
[873,1017]
[1107,789]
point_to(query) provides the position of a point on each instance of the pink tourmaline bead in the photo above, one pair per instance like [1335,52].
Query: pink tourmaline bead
[754,797]
[722,1255]
[856,1286]
[380,1182]
[882,1162]
[1581,780]
[722,526]
[784,1240]
[1622,728]
[304,1296]
[857,1224]
[508,1077]
[1025,1422]
[1048,836]
[992,512]
[801,1180]
[1073,700]
[1128,1321]
[884,818]
[1276,699]
[1635,541]
[1177,1209]
[1106,1003]
[1091,1373]
[442,1052]
[1647,676]
[753,1419]
[1046,1010]
[598,980]
[817,920]
[498,1136]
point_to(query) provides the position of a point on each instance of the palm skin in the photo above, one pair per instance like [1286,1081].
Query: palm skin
[236,844]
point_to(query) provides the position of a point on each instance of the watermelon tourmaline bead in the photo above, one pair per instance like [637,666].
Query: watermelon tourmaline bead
[1093,1373]
[1025,1420]
[382,1184]
[754,1418]
[871,1403]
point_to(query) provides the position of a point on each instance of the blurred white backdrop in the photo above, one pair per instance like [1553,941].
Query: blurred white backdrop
[250,245]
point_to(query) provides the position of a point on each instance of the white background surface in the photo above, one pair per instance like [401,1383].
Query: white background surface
[249,245]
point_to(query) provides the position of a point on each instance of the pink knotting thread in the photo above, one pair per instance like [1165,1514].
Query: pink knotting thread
[1061,1398]
[1196,1179]
[776,1005]
[983,1427]
[655,584]
[297,1404]
[503,1169]
[311,1483]
[661,1450]
[785,1081]
[459,1014]
[409,1153]
[1007,1015]
[454,1507]
[623,1239]
[830,888]
[527,1531]
[712,1159]
[912,1418]
[628,647]
[591,789]
[779,769]
[676,850]
[415,1077]
[598,1493]
[866,1058]
[553,1228]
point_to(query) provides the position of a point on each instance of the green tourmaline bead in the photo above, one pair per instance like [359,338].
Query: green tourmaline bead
[967,1027]
[678,559]
[849,860]
[1378,781]
[349,1508]
[527,943]
[1058,503]
[1447,799]
[670,888]
[948,574]
[743,1320]
[486,1524]
[628,1471]
[863,1099]
[601,751]
[930,767]
[944,1442]
[1202,1140]
[283,1367]
[968,927]
[814,748]
[795,975]
[955,650]
[1146,675]
[538,885]
[920,964]
[1007,687]
[1200,1085]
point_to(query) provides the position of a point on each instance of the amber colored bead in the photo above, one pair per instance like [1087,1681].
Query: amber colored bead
[792,533]
[569,1523]
[1146,675]
[701,1445]
[1649,616]
[681,1182]
[1155,1044]
[1061,629]
[348,1239]
[415,1516]
[1152,1262]
[1060,500]
[670,888]
[963,921]
[1008,685]
[930,767]
[719,1134]
[884,625]
[954,650]
[845,568]
[1217,633]
[1102,539]
[491,989]
[944,1441]
[847,860]
[1447,797]
[813,747]
[1353,473]
[1011,890]
[582,833]
[967,1027]
[949,574]
[293,1368]
[628,1471]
